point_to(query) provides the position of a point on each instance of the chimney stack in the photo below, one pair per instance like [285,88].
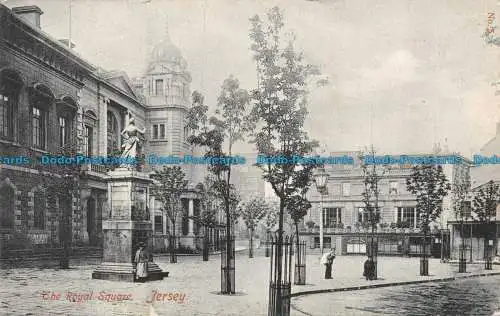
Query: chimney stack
[30,13]
[66,43]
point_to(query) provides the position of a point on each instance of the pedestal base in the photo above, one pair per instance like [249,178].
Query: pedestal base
[124,272]
[188,241]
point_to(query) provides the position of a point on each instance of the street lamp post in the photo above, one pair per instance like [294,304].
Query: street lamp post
[321,225]
[321,180]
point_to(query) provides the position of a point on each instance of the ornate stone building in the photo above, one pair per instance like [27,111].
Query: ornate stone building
[344,214]
[51,97]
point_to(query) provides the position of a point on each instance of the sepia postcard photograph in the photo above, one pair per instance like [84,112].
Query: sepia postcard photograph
[249,157]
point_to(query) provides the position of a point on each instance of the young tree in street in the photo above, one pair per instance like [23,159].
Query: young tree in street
[218,135]
[279,112]
[484,204]
[271,218]
[167,188]
[429,184]
[252,212]
[297,207]
[269,222]
[461,207]
[207,218]
[372,174]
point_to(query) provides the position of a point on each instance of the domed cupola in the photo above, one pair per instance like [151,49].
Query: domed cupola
[167,55]
[165,51]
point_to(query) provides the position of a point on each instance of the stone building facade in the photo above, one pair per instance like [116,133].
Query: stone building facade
[343,209]
[51,97]
[472,230]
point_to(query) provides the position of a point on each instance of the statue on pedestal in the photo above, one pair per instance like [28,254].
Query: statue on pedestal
[133,138]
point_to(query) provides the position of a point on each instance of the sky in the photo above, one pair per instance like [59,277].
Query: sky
[403,74]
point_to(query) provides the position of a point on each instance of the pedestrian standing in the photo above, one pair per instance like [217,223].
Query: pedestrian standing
[369,269]
[141,260]
[327,261]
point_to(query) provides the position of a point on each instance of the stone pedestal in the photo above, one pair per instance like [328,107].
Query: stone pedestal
[128,224]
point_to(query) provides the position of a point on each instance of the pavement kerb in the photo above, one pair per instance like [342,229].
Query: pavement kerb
[373,286]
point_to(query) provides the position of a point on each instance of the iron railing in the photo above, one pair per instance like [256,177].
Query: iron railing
[280,276]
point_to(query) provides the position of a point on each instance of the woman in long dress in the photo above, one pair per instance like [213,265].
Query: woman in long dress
[132,141]
[141,259]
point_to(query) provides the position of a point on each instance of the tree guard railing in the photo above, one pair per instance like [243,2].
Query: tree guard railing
[228,272]
[280,283]
[300,263]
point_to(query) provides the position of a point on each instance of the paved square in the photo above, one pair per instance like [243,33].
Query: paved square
[191,288]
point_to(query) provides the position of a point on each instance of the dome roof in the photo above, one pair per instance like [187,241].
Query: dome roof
[165,51]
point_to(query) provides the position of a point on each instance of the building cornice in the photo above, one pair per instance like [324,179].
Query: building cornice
[35,62]
[33,41]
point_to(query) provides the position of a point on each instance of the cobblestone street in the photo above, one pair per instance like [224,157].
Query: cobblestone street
[22,289]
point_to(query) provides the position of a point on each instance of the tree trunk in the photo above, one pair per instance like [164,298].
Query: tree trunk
[470,260]
[173,245]
[297,239]
[205,244]
[279,259]
[228,248]
[64,260]
[299,259]
[462,268]
[250,248]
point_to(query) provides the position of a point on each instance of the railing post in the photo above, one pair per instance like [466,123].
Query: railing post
[300,263]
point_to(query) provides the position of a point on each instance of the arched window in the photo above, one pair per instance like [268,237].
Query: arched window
[10,86]
[7,205]
[113,134]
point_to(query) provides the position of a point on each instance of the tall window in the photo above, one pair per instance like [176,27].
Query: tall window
[39,210]
[162,131]
[155,131]
[407,217]
[466,209]
[39,127]
[9,90]
[64,131]
[6,207]
[88,134]
[176,90]
[113,145]
[393,188]
[158,131]
[364,215]
[346,189]
[159,224]
[186,133]
[7,103]
[331,216]
[159,87]
[361,214]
